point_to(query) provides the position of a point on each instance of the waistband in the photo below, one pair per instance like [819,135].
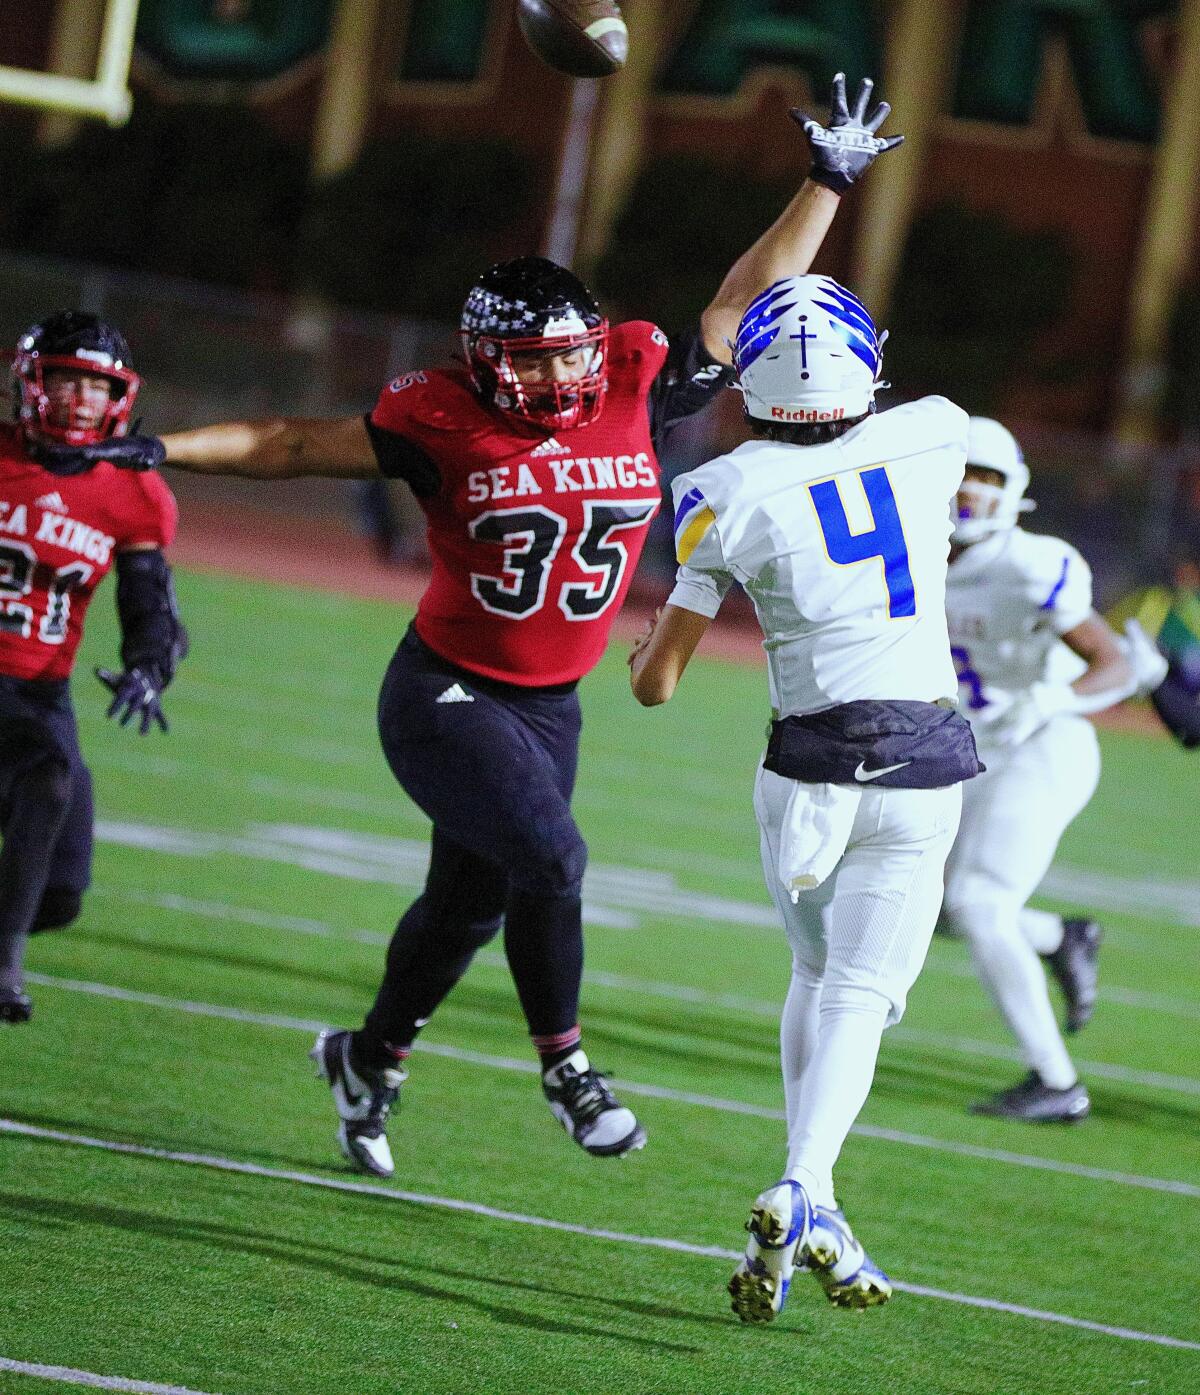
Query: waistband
[52,692]
[413,642]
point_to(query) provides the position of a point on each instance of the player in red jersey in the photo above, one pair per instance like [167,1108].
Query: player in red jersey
[62,529]
[535,464]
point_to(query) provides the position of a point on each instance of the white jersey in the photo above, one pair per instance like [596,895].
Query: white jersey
[1008,599]
[842,548]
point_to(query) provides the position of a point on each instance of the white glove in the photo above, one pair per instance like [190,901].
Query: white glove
[1030,712]
[1149,666]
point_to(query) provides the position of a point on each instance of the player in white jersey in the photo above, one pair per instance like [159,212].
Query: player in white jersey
[1032,657]
[835,522]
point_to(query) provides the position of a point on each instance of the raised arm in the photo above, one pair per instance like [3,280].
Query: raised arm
[841,152]
[276,448]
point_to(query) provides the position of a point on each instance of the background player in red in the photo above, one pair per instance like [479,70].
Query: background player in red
[62,528]
[535,466]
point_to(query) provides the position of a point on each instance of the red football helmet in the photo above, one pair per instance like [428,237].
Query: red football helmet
[79,343]
[534,306]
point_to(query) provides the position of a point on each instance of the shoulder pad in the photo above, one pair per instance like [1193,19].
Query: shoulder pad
[433,399]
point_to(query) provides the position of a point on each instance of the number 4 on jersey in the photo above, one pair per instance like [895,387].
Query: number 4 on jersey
[885,540]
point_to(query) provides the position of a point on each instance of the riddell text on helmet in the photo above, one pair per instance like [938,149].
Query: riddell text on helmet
[782,414]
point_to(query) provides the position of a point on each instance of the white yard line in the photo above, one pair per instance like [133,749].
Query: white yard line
[726,1106]
[476,1208]
[672,992]
[68,1376]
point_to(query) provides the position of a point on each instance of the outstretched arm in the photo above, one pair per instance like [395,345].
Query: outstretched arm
[277,448]
[841,152]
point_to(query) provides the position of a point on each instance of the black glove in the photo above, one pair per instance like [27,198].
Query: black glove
[847,146]
[135,694]
[126,452]
[1178,708]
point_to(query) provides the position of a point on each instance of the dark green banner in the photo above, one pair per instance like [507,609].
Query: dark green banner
[232,40]
[728,39]
[1004,49]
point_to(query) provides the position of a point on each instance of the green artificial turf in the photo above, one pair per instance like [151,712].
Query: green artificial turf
[157,1270]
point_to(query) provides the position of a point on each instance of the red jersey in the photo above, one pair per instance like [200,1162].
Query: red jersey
[58,537]
[534,541]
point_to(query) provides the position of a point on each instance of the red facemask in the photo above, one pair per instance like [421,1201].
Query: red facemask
[33,406]
[554,406]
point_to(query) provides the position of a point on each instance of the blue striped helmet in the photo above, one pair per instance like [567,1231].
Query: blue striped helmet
[807,351]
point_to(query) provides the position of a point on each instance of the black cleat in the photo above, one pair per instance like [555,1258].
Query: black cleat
[362,1100]
[589,1111]
[1075,964]
[15,1006]
[1037,1103]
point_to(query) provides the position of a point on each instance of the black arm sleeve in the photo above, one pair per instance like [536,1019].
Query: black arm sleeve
[399,459]
[1178,708]
[152,634]
[689,380]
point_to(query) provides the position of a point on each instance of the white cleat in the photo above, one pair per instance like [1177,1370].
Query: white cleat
[363,1102]
[849,1276]
[779,1224]
[589,1111]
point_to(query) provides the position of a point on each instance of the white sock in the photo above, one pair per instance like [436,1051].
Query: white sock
[1012,973]
[1043,930]
[834,1086]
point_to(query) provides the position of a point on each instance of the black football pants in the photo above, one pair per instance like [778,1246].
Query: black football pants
[45,816]
[493,766]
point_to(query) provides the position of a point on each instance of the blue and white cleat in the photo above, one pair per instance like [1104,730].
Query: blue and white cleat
[849,1276]
[779,1225]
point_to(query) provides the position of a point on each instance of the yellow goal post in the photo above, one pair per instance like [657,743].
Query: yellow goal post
[106,95]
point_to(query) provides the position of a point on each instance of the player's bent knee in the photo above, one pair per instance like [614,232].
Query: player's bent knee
[49,781]
[983,915]
[60,906]
[482,930]
[554,870]
[863,999]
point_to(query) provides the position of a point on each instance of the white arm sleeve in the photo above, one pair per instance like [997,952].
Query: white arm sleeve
[698,591]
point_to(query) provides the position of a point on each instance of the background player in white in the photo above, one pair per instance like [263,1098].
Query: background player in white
[834,521]
[1032,657]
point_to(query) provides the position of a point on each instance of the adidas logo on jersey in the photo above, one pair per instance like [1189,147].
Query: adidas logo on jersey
[455,693]
[52,501]
[550,447]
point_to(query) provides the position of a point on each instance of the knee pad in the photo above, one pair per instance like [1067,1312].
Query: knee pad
[60,906]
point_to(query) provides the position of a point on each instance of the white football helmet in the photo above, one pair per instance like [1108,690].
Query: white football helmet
[990,508]
[807,351]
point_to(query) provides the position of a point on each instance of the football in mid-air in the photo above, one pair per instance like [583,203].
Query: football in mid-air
[583,38]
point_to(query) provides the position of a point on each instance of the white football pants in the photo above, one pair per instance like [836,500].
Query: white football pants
[1013,817]
[858,942]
